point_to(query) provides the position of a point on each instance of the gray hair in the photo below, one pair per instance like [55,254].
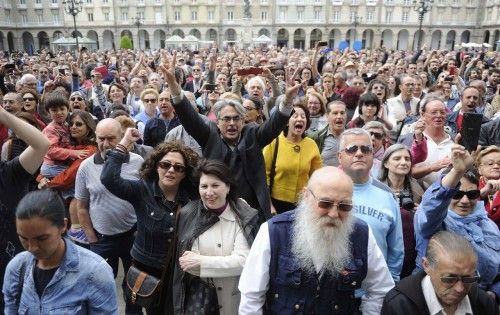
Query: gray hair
[376,125]
[234,104]
[384,171]
[430,97]
[352,132]
[448,243]
[259,81]
[25,77]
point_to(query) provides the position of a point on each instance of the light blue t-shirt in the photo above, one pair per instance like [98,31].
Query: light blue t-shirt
[375,204]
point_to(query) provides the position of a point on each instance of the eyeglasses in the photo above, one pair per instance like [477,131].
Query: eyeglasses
[31,99]
[8,101]
[76,98]
[328,204]
[166,165]
[228,119]
[150,100]
[196,70]
[471,194]
[451,280]
[377,135]
[353,149]
[77,124]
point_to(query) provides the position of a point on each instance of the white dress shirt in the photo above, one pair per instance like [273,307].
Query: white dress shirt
[435,307]
[254,280]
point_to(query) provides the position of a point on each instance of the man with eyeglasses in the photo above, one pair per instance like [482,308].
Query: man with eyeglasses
[231,141]
[447,285]
[312,259]
[196,83]
[451,203]
[373,201]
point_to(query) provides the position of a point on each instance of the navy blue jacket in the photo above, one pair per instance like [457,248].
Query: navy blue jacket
[293,290]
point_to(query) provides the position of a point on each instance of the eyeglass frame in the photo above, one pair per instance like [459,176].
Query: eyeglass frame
[330,204]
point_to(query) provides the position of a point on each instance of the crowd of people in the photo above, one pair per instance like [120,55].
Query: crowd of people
[250,181]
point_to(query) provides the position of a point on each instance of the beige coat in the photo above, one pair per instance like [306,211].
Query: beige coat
[223,249]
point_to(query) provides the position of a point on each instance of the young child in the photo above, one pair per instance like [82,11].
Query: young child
[59,155]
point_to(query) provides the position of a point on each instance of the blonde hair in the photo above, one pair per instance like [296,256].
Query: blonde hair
[149,91]
[125,122]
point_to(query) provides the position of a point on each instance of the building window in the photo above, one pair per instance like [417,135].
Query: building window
[22,1]
[88,1]
[140,15]
[124,16]
[106,16]
[404,17]
[352,16]
[263,1]
[230,16]
[39,17]
[158,18]
[263,16]
[177,15]
[40,1]
[211,16]
[54,1]
[7,16]
[300,14]
[90,17]
[317,14]
[336,16]
[282,12]
[389,2]
[388,16]
[369,16]
[194,15]
[194,1]
[354,2]
[407,2]
[55,18]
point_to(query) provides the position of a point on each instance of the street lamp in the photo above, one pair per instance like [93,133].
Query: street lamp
[356,21]
[73,7]
[138,23]
[422,7]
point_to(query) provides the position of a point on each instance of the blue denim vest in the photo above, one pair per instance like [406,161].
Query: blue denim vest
[292,290]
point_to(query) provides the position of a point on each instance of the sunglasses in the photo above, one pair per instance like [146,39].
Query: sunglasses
[166,165]
[196,70]
[353,149]
[77,124]
[31,99]
[377,135]
[327,204]
[471,194]
[150,100]
[451,280]
[76,98]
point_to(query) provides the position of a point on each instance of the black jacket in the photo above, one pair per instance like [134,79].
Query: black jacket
[490,133]
[407,298]
[194,219]
[253,139]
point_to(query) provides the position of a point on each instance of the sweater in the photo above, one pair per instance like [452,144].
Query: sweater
[295,163]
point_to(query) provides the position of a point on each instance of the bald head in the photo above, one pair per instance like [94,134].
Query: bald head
[108,133]
[332,177]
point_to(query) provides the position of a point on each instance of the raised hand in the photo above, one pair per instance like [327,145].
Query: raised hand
[168,70]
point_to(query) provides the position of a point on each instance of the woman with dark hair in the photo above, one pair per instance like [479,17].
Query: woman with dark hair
[53,275]
[165,186]
[115,97]
[368,108]
[290,161]
[306,79]
[395,171]
[214,235]
[31,101]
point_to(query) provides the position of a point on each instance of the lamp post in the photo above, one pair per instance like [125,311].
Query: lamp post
[73,7]
[422,7]
[138,23]
[356,21]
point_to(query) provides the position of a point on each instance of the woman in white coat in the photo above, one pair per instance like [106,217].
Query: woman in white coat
[214,236]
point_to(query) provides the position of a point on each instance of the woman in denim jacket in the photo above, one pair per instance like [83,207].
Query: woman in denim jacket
[164,188]
[54,276]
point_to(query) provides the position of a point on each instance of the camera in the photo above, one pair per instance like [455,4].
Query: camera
[406,200]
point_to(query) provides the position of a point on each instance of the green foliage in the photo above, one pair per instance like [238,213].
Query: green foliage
[126,42]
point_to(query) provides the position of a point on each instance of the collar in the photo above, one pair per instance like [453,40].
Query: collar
[181,198]
[435,307]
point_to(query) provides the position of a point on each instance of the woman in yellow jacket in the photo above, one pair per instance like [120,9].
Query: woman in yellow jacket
[290,161]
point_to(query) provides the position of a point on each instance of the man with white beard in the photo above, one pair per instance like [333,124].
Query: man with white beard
[311,260]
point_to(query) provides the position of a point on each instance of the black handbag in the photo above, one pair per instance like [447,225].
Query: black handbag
[201,298]
[144,289]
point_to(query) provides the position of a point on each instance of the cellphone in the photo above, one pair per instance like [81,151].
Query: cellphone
[62,71]
[322,43]
[452,70]
[210,87]
[10,66]
[251,70]
[471,128]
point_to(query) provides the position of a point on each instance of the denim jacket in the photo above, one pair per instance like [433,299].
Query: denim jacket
[83,284]
[155,215]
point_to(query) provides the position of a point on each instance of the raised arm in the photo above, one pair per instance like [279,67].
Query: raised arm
[38,145]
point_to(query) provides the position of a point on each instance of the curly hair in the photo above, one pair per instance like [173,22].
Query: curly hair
[148,169]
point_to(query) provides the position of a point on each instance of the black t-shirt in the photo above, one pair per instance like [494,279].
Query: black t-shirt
[42,278]
[14,182]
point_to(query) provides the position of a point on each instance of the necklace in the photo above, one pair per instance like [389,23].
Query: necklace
[296,148]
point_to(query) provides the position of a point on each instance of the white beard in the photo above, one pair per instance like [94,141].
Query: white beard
[318,247]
